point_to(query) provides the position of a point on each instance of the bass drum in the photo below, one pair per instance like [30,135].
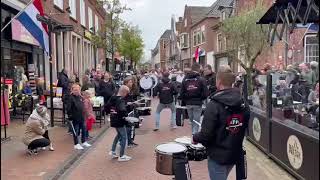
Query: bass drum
[155,80]
[146,82]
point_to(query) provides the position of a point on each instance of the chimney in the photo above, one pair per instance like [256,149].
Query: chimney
[180,19]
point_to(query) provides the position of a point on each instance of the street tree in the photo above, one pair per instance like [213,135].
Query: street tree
[246,38]
[131,44]
[113,26]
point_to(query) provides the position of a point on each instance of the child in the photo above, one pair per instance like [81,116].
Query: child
[88,112]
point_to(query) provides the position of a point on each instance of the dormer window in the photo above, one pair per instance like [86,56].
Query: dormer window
[223,15]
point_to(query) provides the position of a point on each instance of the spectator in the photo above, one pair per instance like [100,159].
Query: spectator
[313,97]
[106,89]
[36,133]
[96,82]
[307,74]
[63,81]
[86,83]
[315,69]
[27,89]
[88,112]
[75,109]
[210,77]
[259,94]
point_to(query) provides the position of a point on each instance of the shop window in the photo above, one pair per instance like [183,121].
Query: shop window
[311,48]
[219,42]
[96,20]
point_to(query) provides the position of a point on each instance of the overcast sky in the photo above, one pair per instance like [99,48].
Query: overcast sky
[154,16]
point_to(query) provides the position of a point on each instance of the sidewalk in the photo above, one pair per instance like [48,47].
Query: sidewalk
[97,164]
[16,164]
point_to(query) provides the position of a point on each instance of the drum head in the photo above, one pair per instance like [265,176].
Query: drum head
[146,82]
[183,140]
[132,119]
[143,108]
[197,146]
[155,80]
[171,148]
[180,78]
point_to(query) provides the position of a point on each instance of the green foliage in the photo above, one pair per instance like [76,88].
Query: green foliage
[245,34]
[131,44]
[246,38]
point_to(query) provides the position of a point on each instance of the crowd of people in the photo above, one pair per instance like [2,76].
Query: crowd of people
[221,129]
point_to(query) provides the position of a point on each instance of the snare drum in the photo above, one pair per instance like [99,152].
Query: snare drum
[186,141]
[165,155]
[143,111]
[199,152]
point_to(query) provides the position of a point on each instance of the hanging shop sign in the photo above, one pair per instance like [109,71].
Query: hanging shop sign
[88,35]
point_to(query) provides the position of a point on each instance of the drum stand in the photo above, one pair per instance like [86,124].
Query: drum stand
[182,169]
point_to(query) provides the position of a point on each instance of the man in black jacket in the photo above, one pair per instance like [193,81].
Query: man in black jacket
[75,113]
[210,77]
[106,89]
[223,127]
[63,82]
[166,91]
[193,92]
[118,112]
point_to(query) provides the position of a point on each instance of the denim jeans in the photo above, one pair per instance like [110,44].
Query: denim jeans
[218,171]
[122,137]
[194,113]
[79,126]
[129,130]
[173,113]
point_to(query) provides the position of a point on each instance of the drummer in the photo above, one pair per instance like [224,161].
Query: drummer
[223,127]
[166,91]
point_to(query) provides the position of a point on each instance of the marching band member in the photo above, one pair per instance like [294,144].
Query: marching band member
[193,92]
[118,112]
[166,91]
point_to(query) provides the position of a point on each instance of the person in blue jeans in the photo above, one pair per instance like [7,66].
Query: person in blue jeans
[75,109]
[223,128]
[193,92]
[166,91]
[118,112]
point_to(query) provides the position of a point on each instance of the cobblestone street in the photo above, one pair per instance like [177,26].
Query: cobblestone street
[97,165]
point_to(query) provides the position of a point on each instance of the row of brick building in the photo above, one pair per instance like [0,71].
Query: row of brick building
[73,50]
[200,26]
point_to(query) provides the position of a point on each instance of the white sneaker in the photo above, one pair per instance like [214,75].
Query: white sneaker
[113,154]
[124,158]
[44,148]
[85,144]
[78,147]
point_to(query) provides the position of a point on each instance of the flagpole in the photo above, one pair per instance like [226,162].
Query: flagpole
[17,15]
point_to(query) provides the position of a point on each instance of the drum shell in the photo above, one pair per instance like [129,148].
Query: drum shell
[165,162]
[199,154]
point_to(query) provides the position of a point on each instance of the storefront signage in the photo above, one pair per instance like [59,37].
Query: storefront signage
[256,128]
[20,33]
[294,152]
[88,35]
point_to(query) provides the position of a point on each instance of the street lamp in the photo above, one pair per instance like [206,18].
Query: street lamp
[52,27]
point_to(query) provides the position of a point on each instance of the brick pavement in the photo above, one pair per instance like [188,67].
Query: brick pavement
[97,165]
[16,164]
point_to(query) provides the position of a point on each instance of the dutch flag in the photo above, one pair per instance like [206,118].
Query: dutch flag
[38,30]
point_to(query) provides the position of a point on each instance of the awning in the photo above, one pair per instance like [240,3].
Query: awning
[279,5]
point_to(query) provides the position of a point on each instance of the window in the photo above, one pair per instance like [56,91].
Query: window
[185,23]
[311,48]
[184,40]
[58,3]
[83,13]
[198,37]
[90,19]
[223,15]
[96,20]
[73,8]
[219,39]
